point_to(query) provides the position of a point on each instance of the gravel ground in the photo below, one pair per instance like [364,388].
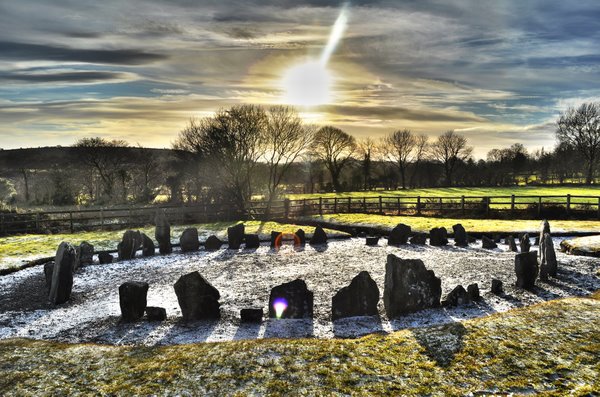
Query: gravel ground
[244,278]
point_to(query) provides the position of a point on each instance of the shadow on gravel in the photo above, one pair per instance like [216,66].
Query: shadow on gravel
[289,328]
[247,331]
[354,327]
[441,343]
[188,332]
[28,294]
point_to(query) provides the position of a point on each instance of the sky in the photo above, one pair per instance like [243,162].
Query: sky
[497,72]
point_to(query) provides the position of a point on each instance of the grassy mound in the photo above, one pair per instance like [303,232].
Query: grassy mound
[547,349]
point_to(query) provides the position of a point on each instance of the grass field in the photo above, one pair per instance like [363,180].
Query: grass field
[32,246]
[549,349]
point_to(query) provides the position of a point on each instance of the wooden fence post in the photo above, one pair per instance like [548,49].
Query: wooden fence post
[398,205]
[303,206]
[598,207]
[512,204]
[568,204]
[349,204]
[441,205]
[321,206]
[335,205]
[462,204]
[365,205]
[71,221]
[380,205]
[488,201]
[539,206]
[419,205]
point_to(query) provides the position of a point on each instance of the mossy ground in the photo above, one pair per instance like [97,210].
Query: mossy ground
[425,224]
[546,349]
[32,246]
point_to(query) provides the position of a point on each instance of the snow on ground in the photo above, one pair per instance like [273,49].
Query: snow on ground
[244,278]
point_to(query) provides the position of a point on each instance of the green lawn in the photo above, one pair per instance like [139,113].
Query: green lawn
[15,249]
[549,349]
[425,224]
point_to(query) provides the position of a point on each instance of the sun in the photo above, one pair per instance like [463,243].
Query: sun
[307,84]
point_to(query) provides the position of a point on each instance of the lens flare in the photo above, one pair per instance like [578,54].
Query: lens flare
[335,36]
[280,304]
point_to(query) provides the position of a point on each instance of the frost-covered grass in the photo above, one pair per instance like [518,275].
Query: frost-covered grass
[550,348]
[15,250]
[425,224]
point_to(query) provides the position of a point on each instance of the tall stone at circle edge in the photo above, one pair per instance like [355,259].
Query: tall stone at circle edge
[409,286]
[162,233]
[62,274]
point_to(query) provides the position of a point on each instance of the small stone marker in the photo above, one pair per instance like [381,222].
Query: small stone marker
[213,243]
[372,241]
[291,300]
[189,241]
[156,313]
[457,297]
[488,243]
[162,232]
[62,274]
[526,269]
[274,237]
[251,315]
[105,257]
[129,245]
[512,245]
[197,298]
[252,241]
[399,235]
[148,248]
[438,236]
[525,243]
[235,236]
[418,239]
[301,237]
[473,291]
[132,299]
[460,236]
[360,298]
[548,262]
[319,236]
[86,254]
[497,287]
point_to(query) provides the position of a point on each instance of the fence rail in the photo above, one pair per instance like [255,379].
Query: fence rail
[551,207]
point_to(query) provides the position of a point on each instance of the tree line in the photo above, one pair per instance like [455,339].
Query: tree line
[247,151]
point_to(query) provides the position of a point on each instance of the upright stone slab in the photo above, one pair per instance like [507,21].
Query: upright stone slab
[548,262]
[497,287]
[457,297]
[399,235]
[189,242]
[62,274]
[129,245]
[274,237]
[525,243]
[319,236]
[544,228]
[156,313]
[409,286]
[235,236]
[213,243]
[301,241]
[526,269]
[418,239]
[148,248]
[86,254]
[251,315]
[162,232]
[252,241]
[105,257]
[438,236]
[512,245]
[360,298]
[132,299]
[460,236]
[488,243]
[197,298]
[295,299]
[372,241]
[473,291]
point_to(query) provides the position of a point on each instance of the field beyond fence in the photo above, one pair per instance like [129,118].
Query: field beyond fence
[504,207]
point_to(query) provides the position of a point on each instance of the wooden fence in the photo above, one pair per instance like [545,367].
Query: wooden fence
[550,207]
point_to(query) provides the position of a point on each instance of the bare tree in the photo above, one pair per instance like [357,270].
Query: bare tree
[286,138]
[399,146]
[367,148]
[580,129]
[421,151]
[450,149]
[335,147]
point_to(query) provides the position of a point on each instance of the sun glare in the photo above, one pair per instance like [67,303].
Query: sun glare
[307,84]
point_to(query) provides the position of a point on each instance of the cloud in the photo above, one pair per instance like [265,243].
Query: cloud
[67,77]
[27,51]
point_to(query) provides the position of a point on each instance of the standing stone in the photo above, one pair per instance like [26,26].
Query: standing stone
[548,263]
[274,237]
[438,236]
[188,241]
[48,270]
[251,315]
[162,232]
[473,291]
[525,243]
[418,239]
[497,287]
[409,286]
[399,235]
[488,243]
[319,236]
[132,299]
[213,243]
[301,238]
[235,236]
[252,241]
[62,274]
[156,313]
[457,297]
[296,295]
[129,245]
[360,298]
[372,241]
[148,248]
[86,254]
[544,228]
[526,269]
[512,245]
[197,298]
[105,257]
[460,236]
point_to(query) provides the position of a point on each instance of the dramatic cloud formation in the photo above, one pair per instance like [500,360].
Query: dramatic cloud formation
[497,72]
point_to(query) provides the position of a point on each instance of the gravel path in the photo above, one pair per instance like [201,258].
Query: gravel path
[245,278]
